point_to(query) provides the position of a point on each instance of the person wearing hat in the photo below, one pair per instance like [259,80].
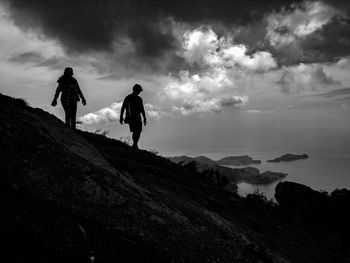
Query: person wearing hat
[71,94]
[133,107]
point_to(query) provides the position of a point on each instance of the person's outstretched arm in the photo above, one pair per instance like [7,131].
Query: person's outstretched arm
[80,94]
[57,93]
[121,118]
[143,114]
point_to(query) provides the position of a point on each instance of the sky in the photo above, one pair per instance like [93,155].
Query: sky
[215,74]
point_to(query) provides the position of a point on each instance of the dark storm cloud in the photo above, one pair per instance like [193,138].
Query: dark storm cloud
[327,43]
[79,25]
[95,24]
[332,42]
[98,25]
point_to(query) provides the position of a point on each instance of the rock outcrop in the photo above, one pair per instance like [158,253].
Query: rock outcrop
[296,196]
[320,209]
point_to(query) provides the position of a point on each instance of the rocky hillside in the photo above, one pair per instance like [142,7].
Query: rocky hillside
[79,197]
[62,199]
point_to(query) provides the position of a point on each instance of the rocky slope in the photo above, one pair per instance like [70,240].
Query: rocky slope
[63,201]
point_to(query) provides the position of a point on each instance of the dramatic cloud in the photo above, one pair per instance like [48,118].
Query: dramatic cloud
[259,62]
[200,45]
[155,112]
[305,78]
[330,43]
[112,113]
[285,27]
[198,85]
[314,31]
[143,34]
[97,25]
[203,46]
[105,115]
[211,105]
[195,54]
[215,63]
[20,47]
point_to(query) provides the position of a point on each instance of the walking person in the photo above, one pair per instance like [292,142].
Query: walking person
[71,94]
[133,106]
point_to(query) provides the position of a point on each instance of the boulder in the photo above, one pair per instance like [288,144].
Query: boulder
[295,196]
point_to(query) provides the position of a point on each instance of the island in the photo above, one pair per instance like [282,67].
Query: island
[289,157]
[237,160]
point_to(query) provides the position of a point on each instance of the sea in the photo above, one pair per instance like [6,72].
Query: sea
[324,171]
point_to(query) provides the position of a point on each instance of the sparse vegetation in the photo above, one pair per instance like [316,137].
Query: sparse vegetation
[210,177]
[103,133]
[259,198]
[126,140]
[154,151]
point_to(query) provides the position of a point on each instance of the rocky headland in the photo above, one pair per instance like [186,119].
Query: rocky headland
[235,175]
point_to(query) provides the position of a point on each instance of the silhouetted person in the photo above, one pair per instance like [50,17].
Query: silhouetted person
[70,96]
[133,105]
